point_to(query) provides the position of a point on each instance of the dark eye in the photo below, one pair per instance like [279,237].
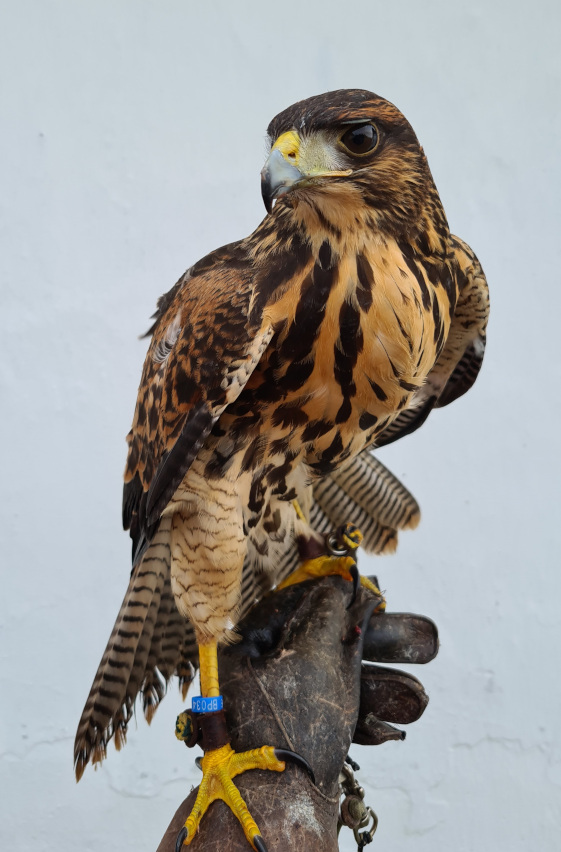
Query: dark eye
[360,140]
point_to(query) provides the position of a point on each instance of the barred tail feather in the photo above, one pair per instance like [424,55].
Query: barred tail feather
[174,630]
[153,686]
[367,494]
[341,509]
[110,703]
[373,487]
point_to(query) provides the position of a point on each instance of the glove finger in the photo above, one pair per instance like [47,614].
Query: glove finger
[372,731]
[391,695]
[398,637]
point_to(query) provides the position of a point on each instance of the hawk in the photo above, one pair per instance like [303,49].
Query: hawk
[275,364]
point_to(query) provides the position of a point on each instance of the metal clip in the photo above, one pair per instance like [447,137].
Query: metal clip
[354,813]
[363,838]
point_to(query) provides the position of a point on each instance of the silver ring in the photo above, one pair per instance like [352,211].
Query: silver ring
[334,546]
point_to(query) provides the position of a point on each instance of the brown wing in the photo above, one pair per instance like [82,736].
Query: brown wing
[460,360]
[204,348]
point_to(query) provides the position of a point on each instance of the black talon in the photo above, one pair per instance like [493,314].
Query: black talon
[259,843]
[285,754]
[199,763]
[180,839]
[352,763]
[356,580]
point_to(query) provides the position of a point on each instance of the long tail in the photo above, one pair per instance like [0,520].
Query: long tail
[151,641]
[110,703]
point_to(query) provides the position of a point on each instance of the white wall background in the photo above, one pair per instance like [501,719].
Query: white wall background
[131,144]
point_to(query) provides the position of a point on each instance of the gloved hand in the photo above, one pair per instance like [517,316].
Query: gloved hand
[297,681]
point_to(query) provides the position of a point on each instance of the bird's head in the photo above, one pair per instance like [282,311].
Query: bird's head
[348,148]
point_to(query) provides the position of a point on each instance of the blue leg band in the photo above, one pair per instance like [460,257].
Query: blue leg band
[206,705]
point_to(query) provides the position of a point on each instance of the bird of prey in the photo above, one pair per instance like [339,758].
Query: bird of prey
[275,364]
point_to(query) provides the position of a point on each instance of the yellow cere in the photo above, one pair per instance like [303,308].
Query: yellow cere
[289,146]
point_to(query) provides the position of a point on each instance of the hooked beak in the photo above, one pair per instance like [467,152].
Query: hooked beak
[281,171]
[277,177]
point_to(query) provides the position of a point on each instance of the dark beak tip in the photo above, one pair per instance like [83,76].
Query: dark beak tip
[266,194]
[278,176]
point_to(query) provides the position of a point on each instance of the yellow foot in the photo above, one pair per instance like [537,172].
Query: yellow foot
[368,584]
[219,767]
[339,562]
[321,566]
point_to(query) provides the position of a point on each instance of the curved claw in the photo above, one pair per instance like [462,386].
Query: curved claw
[259,843]
[181,837]
[356,580]
[285,754]
[352,763]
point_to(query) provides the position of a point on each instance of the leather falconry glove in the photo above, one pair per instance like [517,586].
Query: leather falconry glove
[301,677]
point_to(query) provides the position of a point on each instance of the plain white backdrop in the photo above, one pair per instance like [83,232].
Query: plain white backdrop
[132,136]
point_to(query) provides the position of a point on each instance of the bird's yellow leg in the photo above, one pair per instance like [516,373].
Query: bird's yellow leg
[208,668]
[368,584]
[221,764]
[321,566]
[328,564]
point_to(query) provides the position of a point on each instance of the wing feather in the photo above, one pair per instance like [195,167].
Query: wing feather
[461,358]
[203,350]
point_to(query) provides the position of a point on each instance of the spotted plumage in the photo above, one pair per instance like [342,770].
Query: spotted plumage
[275,364]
